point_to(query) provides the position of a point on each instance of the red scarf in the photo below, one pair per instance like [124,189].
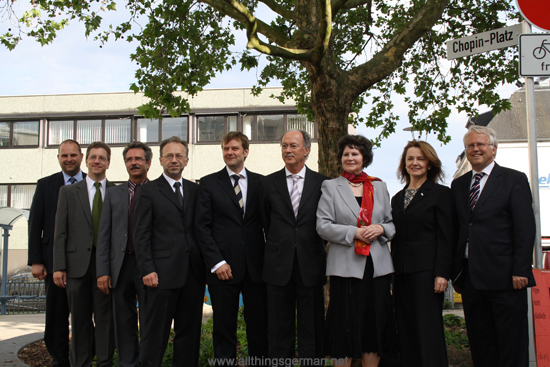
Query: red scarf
[365,213]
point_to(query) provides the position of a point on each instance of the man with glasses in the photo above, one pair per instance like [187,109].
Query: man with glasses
[492,264]
[169,260]
[116,260]
[74,262]
[41,233]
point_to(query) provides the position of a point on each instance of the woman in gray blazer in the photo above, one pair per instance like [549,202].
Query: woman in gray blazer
[354,215]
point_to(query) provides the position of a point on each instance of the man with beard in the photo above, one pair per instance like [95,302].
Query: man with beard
[116,259]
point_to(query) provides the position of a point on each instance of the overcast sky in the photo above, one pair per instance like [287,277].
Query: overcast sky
[73,64]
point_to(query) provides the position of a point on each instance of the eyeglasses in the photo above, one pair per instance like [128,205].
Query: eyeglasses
[99,157]
[476,145]
[178,157]
[137,159]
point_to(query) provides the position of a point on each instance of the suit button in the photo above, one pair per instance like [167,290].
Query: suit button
[470,224]
[89,249]
[296,229]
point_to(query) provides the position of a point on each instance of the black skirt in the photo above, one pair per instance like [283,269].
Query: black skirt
[360,317]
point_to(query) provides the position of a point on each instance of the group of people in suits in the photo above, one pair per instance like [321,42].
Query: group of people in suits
[389,261]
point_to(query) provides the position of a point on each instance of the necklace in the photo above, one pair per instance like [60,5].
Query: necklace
[355,184]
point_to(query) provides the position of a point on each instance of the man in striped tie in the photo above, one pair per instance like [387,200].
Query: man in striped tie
[295,260]
[492,264]
[231,238]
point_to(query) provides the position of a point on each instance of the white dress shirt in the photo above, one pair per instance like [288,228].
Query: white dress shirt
[91,190]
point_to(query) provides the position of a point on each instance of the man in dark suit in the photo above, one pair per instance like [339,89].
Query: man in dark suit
[74,262]
[492,264]
[295,259]
[41,235]
[169,260]
[231,239]
[116,260]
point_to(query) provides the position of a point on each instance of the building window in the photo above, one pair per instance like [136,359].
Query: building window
[60,131]
[270,127]
[3,195]
[17,196]
[118,131]
[88,131]
[19,133]
[147,130]
[175,126]
[211,128]
[300,122]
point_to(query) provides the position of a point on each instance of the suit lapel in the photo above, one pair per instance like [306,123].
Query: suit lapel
[82,193]
[347,196]
[166,190]
[490,186]
[422,192]
[225,182]
[309,185]
[252,188]
[123,196]
[281,185]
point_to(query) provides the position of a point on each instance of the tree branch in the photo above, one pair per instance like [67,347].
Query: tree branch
[279,9]
[325,30]
[338,5]
[239,12]
[390,57]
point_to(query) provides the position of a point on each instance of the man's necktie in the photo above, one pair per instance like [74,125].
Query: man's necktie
[475,189]
[96,210]
[72,180]
[132,187]
[238,192]
[178,193]
[295,195]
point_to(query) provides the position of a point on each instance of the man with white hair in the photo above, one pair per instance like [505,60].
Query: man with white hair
[492,264]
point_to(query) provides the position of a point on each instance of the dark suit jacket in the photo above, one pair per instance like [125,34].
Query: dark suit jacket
[286,234]
[74,231]
[164,233]
[42,220]
[424,231]
[500,231]
[223,234]
[113,232]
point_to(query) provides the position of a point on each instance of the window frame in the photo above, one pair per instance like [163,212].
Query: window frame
[12,134]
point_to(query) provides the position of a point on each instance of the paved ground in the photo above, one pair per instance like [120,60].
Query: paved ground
[16,331]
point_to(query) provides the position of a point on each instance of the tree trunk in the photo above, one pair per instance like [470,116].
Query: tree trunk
[331,106]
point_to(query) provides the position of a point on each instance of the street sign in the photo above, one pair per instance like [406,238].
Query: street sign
[534,54]
[483,42]
[537,12]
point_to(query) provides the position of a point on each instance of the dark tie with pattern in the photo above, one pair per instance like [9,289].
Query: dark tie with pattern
[178,193]
[72,180]
[238,192]
[96,209]
[475,189]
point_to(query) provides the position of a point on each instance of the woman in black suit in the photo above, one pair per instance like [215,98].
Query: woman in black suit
[421,251]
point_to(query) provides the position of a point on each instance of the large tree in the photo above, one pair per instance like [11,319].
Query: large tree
[332,57]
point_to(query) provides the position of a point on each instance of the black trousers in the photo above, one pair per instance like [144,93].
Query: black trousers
[56,333]
[225,305]
[497,325]
[291,303]
[184,307]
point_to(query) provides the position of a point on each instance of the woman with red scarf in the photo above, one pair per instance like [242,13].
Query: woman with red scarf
[354,215]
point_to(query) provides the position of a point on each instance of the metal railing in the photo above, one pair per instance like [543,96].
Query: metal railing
[24,295]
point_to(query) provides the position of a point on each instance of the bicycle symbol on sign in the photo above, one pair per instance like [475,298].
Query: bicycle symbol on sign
[540,52]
